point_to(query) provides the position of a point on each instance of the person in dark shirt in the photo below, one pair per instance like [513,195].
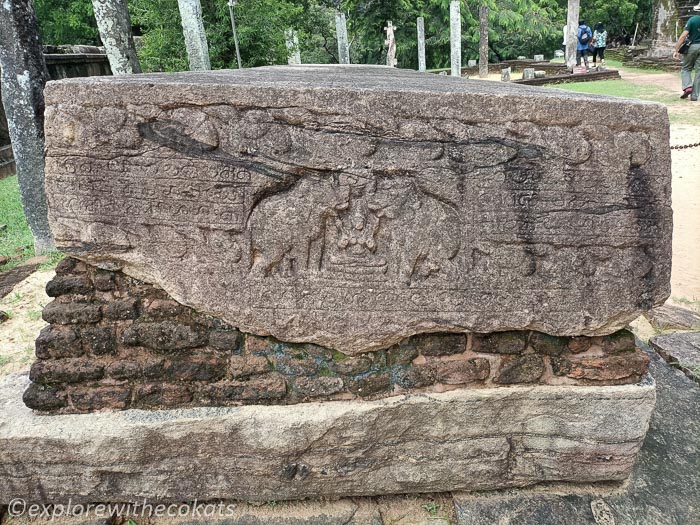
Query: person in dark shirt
[691,60]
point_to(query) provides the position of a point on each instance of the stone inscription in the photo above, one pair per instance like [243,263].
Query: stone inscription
[357,229]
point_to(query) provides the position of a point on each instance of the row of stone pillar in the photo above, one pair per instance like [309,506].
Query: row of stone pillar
[455,40]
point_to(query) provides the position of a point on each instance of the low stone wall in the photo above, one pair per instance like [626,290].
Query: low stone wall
[115,342]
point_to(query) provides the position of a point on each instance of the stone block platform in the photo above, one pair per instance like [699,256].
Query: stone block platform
[328,282]
[467,439]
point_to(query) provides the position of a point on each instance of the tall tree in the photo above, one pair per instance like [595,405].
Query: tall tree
[23,74]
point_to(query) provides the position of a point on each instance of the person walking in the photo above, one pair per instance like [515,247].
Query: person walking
[691,60]
[600,37]
[584,36]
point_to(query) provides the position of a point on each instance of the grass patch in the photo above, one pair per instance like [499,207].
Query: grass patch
[693,368]
[16,239]
[693,304]
[53,259]
[621,88]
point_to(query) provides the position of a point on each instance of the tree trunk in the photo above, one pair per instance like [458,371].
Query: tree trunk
[24,75]
[114,24]
[195,37]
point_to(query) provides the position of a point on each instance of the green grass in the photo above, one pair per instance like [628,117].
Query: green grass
[16,240]
[621,88]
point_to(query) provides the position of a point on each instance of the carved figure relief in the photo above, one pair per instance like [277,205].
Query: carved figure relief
[382,226]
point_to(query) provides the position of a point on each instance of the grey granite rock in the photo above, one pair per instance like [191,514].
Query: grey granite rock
[671,317]
[681,350]
[354,206]
[459,440]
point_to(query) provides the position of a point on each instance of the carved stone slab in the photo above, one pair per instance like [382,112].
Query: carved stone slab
[355,206]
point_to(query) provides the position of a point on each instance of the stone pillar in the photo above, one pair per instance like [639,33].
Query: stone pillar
[341,34]
[293,52]
[483,41]
[420,24]
[195,37]
[455,39]
[571,33]
[390,44]
[665,29]
[114,24]
[23,77]
[505,74]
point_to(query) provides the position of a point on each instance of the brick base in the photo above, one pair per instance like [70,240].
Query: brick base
[116,343]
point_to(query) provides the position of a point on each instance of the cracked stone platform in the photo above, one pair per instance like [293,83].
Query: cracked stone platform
[465,439]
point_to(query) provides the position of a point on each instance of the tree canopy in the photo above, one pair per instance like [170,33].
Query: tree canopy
[516,27]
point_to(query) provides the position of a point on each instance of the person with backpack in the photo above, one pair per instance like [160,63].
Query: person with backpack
[691,58]
[584,41]
[600,37]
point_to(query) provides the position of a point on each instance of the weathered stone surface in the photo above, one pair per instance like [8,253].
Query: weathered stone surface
[165,336]
[451,211]
[68,285]
[463,439]
[682,350]
[524,369]
[99,340]
[462,372]
[71,313]
[56,341]
[500,342]
[71,370]
[627,366]
[670,317]
[170,344]
[121,310]
[663,488]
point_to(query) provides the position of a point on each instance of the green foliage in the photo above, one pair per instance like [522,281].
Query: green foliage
[66,22]
[163,46]
[516,27]
[618,16]
[16,239]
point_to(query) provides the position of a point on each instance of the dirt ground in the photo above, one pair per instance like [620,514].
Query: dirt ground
[25,302]
[685,278]
[17,334]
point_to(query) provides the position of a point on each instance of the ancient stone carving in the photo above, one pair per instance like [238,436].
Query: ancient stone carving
[355,207]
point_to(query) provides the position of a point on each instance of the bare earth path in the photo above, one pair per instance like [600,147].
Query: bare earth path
[685,278]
